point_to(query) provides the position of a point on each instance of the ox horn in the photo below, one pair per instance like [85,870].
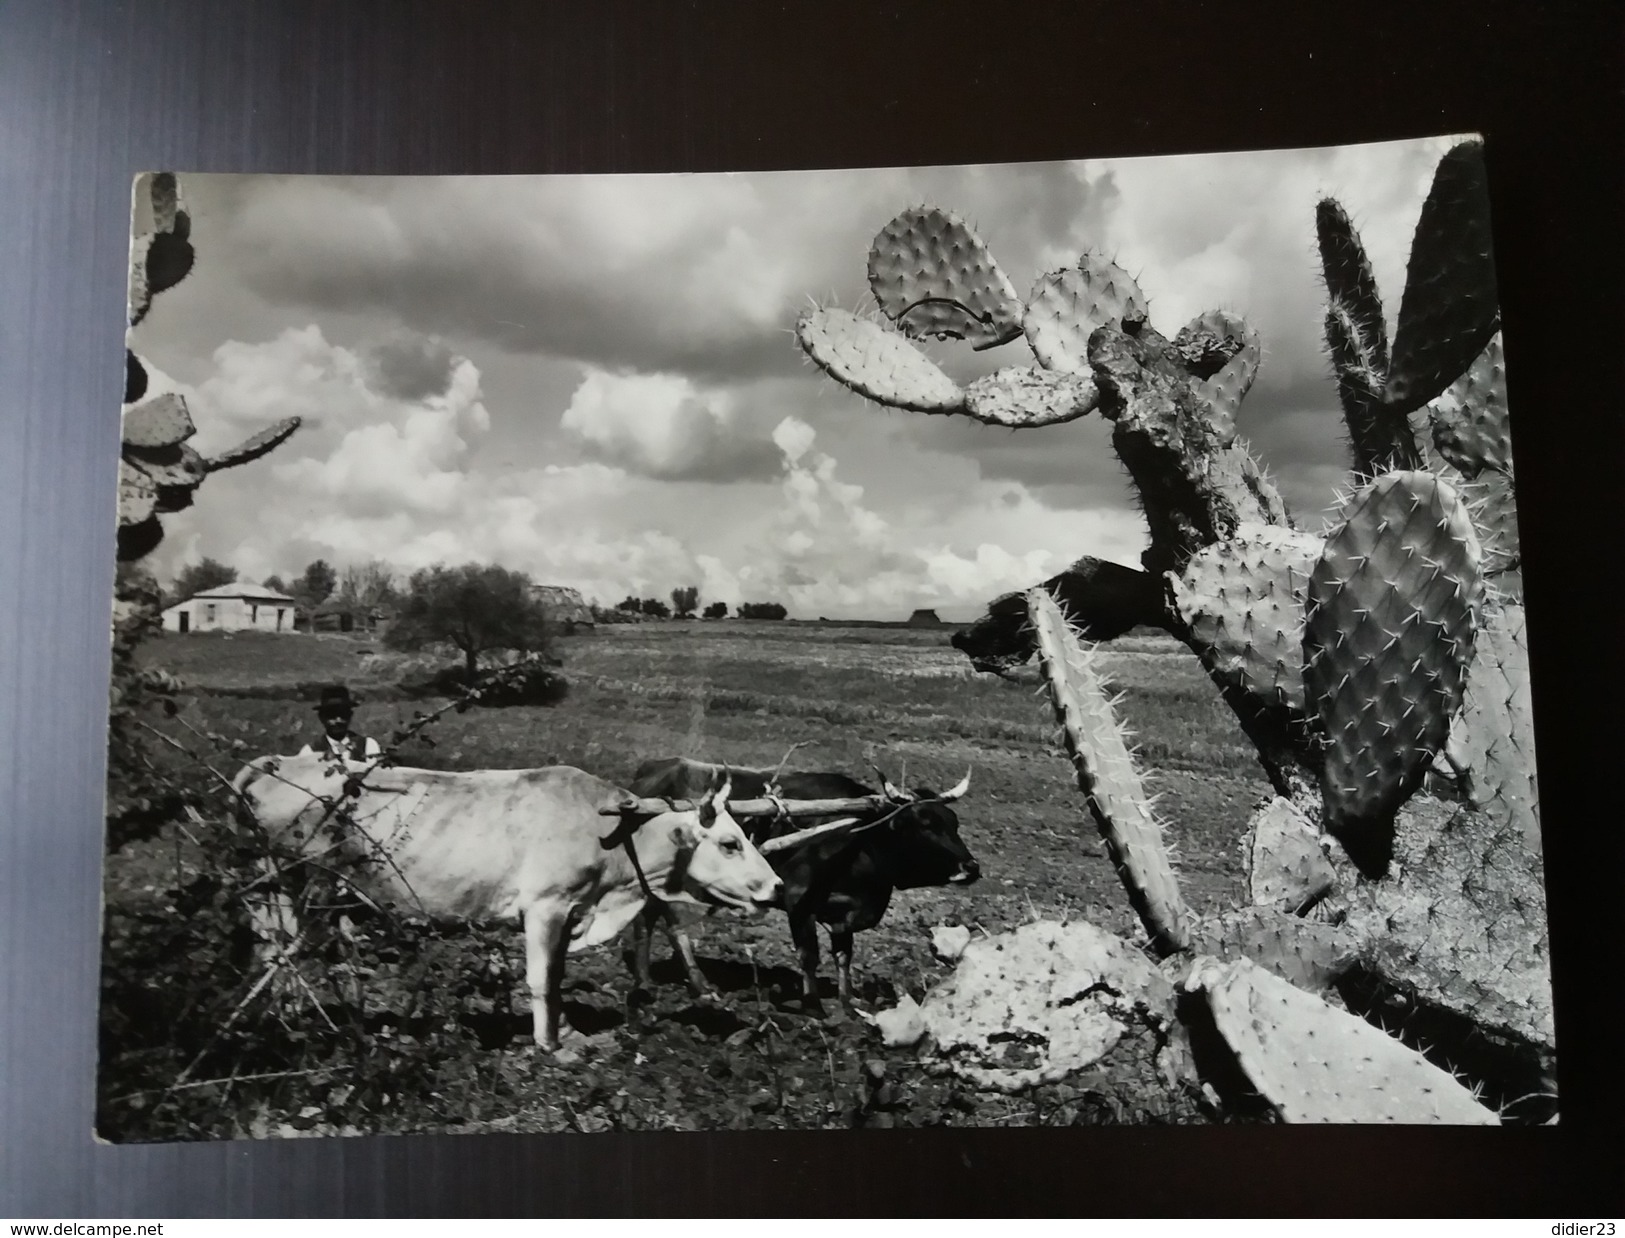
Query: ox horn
[895,794]
[958,789]
[715,801]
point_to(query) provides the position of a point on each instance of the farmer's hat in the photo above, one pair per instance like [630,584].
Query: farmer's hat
[336,702]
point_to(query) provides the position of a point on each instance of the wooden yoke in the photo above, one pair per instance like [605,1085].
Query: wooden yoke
[644,806]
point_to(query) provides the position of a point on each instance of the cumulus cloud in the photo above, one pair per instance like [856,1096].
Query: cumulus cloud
[376,476]
[663,425]
[826,551]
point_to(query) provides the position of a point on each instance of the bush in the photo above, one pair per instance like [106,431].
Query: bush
[540,685]
[762,610]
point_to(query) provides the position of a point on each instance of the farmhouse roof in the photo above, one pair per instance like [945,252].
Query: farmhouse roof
[249,593]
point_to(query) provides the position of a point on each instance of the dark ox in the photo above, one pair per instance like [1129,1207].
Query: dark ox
[844,881]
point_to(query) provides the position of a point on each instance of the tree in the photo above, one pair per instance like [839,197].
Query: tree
[762,610]
[207,574]
[685,601]
[717,610]
[315,586]
[655,607]
[276,582]
[630,604]
[479,608]
[363,588]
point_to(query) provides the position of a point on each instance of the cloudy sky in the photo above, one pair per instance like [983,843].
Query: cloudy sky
[594,380]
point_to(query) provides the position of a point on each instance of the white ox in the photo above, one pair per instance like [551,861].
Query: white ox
[527,844]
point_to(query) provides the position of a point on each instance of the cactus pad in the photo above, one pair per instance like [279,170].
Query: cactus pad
[162,421]
[162,256]
[1493,735]
[255,446]
[876,363]
[1492,499]
[1035,1004]
[1469,420]
[1450,308]
[1314,1063]
[1380,438]
[1388,638]
[1106,775]
[135,378]
[1222,390]
[1461,926]
[1067,305]
[1351,288]
[1019,396]
[179,465]
[1243,600]
[163,193]
[1308,953]
[135,541]
[932,275]
[1285,865]
[137,495]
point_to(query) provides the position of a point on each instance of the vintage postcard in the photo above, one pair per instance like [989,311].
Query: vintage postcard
[1029,644]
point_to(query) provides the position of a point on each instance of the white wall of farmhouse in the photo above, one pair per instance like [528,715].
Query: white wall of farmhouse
[230,614]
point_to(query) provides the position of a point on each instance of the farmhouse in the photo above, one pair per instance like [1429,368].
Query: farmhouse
[232,608]
[564,607]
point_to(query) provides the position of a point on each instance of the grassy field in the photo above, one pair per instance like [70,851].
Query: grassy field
[745,692]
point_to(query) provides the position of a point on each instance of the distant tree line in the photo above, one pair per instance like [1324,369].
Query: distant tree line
[686,601]
[363,591]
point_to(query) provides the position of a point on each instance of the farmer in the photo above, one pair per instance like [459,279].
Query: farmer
[335,709]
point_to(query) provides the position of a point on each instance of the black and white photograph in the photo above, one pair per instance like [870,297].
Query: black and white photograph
[999,645]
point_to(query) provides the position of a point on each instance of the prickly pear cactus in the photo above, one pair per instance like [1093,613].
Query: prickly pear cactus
[1312,954]
[1492,738]
[1108,779]
[1066,306]
[876,363]
[160,471]
[1036,1004]
[1226,340]
[933,276]
[1371,667]
[1469,419]
[1243,601]
[1314,1063]
[1286,865]
[1394,605]
[1450,309]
